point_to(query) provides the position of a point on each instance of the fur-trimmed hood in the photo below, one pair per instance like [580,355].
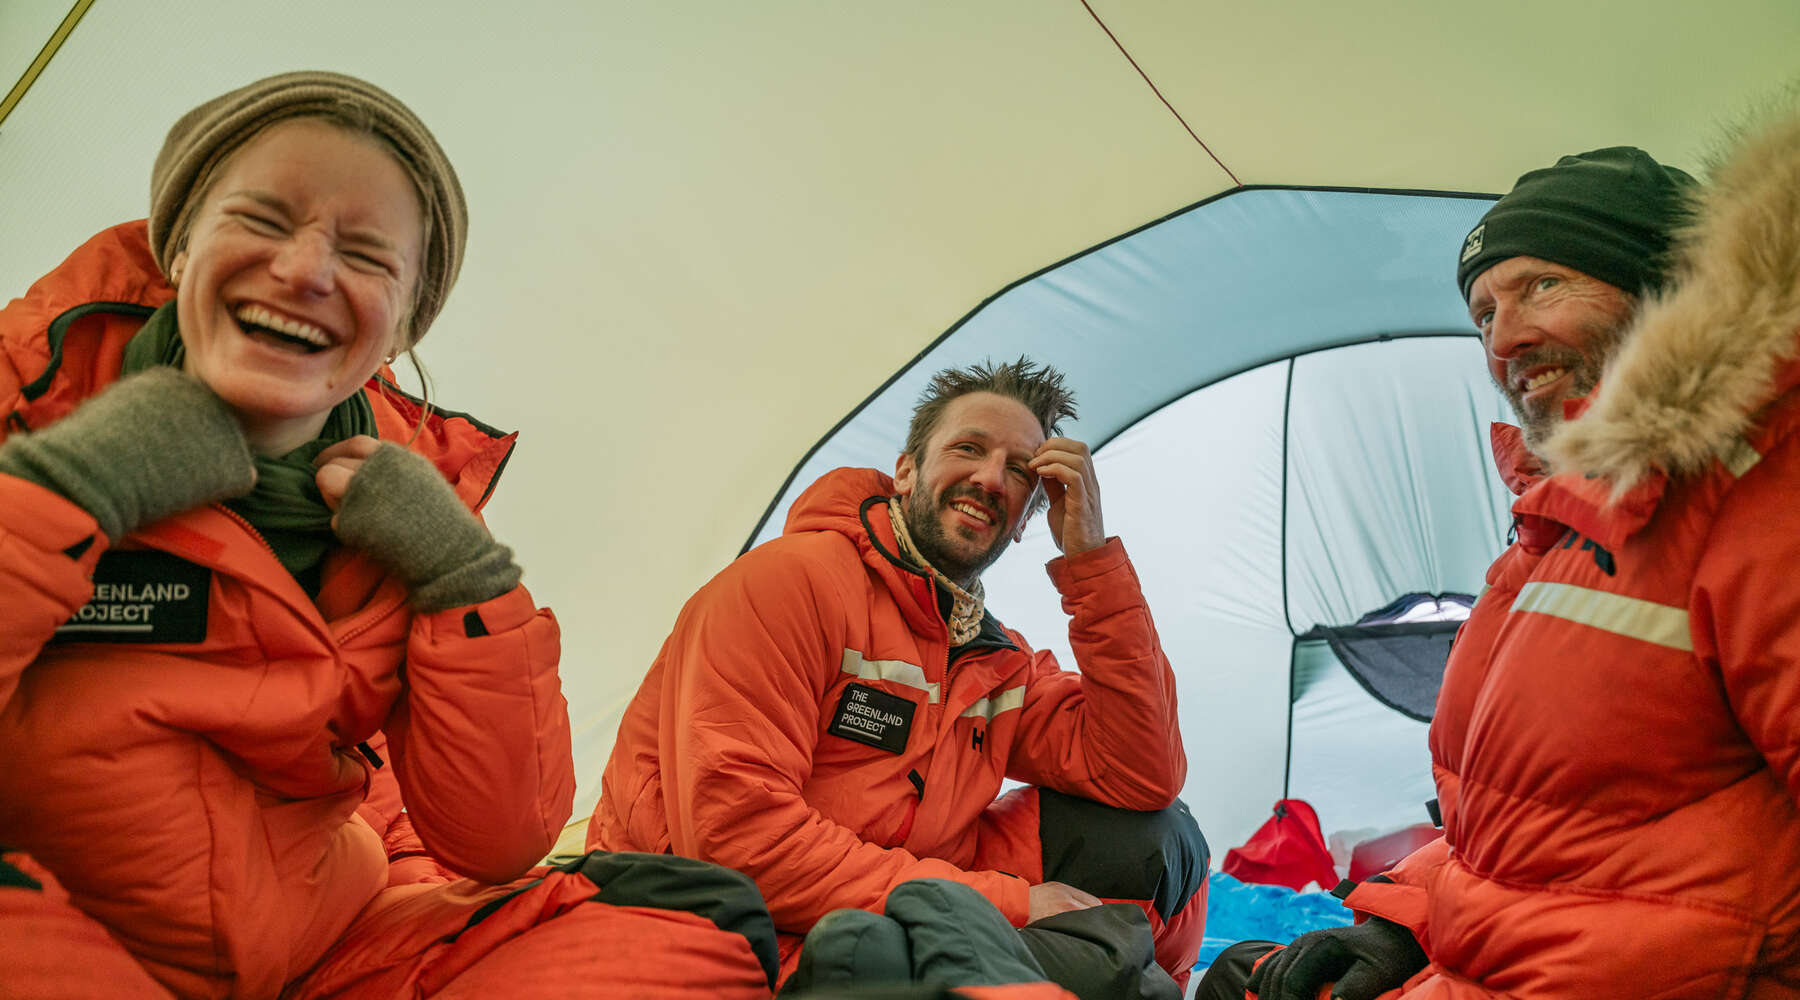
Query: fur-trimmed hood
[1706,354]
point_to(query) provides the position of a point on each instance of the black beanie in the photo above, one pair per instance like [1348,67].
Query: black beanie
[1608,214]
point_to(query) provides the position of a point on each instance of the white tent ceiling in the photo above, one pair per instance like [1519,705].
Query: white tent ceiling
[702,232]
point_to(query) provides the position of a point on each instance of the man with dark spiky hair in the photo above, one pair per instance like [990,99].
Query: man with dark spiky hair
[835,712]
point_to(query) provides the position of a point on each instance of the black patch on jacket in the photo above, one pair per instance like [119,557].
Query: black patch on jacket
[141,595]
[868,715]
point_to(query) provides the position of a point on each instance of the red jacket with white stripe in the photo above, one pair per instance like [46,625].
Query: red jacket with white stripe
[807,724]
[198,789]
[1617,740]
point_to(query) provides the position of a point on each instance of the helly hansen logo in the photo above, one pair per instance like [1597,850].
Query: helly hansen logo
[1472,244]
[1602,558]
[871,716]
[142,596]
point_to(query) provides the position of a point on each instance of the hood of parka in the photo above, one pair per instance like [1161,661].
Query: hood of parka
[1719,342]
[839,501]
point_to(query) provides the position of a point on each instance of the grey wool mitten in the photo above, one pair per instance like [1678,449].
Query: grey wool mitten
[401,512]
[148,446]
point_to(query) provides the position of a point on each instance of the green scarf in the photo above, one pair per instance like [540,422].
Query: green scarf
[285,507]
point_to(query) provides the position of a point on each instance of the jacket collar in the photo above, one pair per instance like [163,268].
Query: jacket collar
[1519,469]
[850,502]
[1549,505]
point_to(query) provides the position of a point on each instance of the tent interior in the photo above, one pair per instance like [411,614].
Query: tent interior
[716,248]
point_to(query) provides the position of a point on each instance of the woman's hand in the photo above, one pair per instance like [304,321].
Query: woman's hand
[148,446]
[338,465]
[396,506]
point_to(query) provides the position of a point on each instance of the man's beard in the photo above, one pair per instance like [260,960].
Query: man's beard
[1539,420]
[925,523]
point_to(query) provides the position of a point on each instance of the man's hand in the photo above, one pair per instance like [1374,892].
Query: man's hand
[1052,898]
[1067,472]
[1364,961]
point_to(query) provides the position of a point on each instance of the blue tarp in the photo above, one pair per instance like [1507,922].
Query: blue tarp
[1236,911]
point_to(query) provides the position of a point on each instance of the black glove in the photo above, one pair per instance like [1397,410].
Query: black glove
[151,445]
[1365,961]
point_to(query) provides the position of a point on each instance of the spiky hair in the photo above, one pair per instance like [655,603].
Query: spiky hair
[1039,388]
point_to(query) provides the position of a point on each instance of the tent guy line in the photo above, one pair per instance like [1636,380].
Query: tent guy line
[1159,94]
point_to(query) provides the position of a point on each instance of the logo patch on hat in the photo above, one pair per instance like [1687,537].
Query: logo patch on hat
[1472,245]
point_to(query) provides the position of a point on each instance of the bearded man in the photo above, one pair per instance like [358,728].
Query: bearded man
[834,713]
[1617,740]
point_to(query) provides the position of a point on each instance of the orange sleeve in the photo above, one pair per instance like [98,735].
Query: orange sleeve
[1110,732]
[481,736]
[1745,607]
[1400,894]
[48,549]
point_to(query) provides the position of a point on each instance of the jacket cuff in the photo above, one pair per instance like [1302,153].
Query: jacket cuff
[1399,894]
[56,524]
[1403,904]
[1013,899]
[1109,556]
[509,611]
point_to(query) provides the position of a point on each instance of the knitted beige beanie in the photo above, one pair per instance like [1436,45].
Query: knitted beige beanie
[205,137]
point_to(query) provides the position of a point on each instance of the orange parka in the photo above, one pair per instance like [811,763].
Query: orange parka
[195,784]
[807,724]
[1617,739]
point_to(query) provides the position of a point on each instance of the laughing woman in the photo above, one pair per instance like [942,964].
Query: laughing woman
[248,608]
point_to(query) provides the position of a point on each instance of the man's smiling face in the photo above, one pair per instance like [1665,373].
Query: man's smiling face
[967,497]
[1549,331]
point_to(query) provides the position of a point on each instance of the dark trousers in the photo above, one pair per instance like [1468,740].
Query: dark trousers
[1225,978]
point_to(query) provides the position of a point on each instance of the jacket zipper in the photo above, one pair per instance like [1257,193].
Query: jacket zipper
[373,620]
[251,528]
[368,753]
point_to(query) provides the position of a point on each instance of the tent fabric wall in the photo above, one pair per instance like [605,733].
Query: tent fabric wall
[1388,490]
[1218,288]
[1360,764]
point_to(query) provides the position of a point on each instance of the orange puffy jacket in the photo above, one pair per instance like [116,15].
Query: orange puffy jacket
[1617,740]
[195,786]
[806,724]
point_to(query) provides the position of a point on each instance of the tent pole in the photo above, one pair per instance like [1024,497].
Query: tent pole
[44,56]
[1287,411]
